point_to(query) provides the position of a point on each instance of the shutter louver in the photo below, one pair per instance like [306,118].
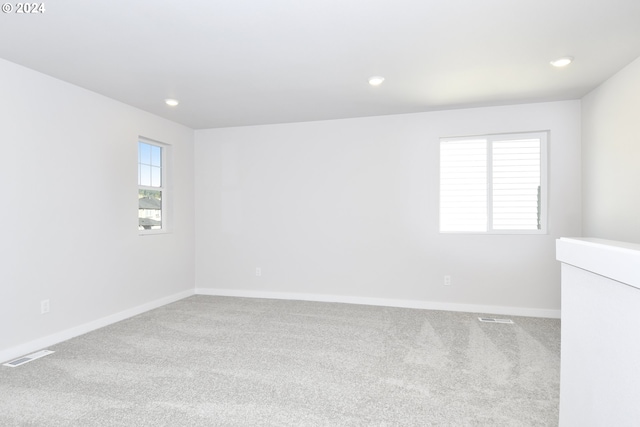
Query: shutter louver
[516,182]
[463,186]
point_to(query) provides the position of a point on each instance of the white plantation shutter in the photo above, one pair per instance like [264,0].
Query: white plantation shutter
[463,185]
[493,183]
[516,182]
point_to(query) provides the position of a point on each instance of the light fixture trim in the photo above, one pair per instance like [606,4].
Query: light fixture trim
[171,102]
[376,80]
[562,62]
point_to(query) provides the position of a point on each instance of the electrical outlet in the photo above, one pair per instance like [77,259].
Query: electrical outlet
[258,271]
[44,306]
[447,280]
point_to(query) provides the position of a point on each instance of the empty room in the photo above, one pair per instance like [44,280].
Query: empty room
[336,213]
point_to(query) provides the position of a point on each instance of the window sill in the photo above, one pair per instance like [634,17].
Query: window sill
[152,232]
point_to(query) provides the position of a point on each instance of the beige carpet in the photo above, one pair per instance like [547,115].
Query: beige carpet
[217,361]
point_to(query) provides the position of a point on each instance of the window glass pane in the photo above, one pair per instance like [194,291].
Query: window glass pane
[156,159]
[516,184]
[145,175]
[156,177]
[463,185]
[149,209]
[144,153]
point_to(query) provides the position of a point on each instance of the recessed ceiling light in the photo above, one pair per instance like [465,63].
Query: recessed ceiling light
[376,80]
[562,62]
[171,102]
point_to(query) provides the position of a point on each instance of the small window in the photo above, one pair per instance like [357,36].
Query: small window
[493,184]
[151,186]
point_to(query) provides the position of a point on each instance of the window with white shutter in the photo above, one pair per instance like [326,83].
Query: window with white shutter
[493,184]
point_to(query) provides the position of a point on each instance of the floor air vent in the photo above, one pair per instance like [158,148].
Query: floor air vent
[494,320]
[28,358]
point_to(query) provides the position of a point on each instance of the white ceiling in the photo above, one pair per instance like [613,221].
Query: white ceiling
[248,62]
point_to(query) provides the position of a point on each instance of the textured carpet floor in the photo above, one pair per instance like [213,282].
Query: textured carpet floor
[217,361]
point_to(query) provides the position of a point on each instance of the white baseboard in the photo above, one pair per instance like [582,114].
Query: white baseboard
[385,302]
[58,337]
[49,340]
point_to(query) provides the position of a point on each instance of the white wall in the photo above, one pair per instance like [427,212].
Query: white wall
[68,182]
[611,153]
[350,208]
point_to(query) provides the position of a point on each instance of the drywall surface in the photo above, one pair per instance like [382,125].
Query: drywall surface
[68,185]
[350,208]
[610,154]
[600,322]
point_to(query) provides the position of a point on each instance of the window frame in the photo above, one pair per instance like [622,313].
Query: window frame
[163,188]
[543,137]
